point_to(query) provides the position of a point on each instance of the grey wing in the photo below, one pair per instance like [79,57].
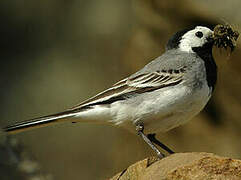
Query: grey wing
[159,73]
[134,85]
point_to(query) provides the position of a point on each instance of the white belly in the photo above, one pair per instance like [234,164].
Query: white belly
[163,109]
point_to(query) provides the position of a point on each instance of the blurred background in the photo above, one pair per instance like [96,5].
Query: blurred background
[57,53]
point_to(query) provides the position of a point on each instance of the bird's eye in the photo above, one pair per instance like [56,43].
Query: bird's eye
[199,34]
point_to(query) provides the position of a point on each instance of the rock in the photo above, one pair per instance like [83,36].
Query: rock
[186,166]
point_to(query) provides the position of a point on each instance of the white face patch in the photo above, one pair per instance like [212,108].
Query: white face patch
[191,38]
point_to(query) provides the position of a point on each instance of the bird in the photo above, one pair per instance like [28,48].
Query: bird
[164,94]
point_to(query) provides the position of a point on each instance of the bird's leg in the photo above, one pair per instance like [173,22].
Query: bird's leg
[140,129]
[153,139]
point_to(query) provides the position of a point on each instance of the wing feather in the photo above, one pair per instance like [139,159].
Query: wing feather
[154,79]
[137,84]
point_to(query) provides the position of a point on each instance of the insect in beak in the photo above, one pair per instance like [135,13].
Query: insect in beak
[224,36]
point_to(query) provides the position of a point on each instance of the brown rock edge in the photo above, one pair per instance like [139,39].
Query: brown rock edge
[193,165]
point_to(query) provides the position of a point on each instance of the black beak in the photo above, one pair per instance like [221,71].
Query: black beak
[210,40]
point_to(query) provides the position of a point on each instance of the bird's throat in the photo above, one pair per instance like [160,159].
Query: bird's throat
[205,53]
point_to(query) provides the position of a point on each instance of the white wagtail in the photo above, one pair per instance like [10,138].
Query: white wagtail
[166,93]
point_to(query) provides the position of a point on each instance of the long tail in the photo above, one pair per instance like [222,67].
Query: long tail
[40,122]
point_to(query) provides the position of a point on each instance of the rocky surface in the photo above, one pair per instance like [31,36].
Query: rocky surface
[183,166]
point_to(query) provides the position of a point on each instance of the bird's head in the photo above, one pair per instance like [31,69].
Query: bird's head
[202,39]
[189,39]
